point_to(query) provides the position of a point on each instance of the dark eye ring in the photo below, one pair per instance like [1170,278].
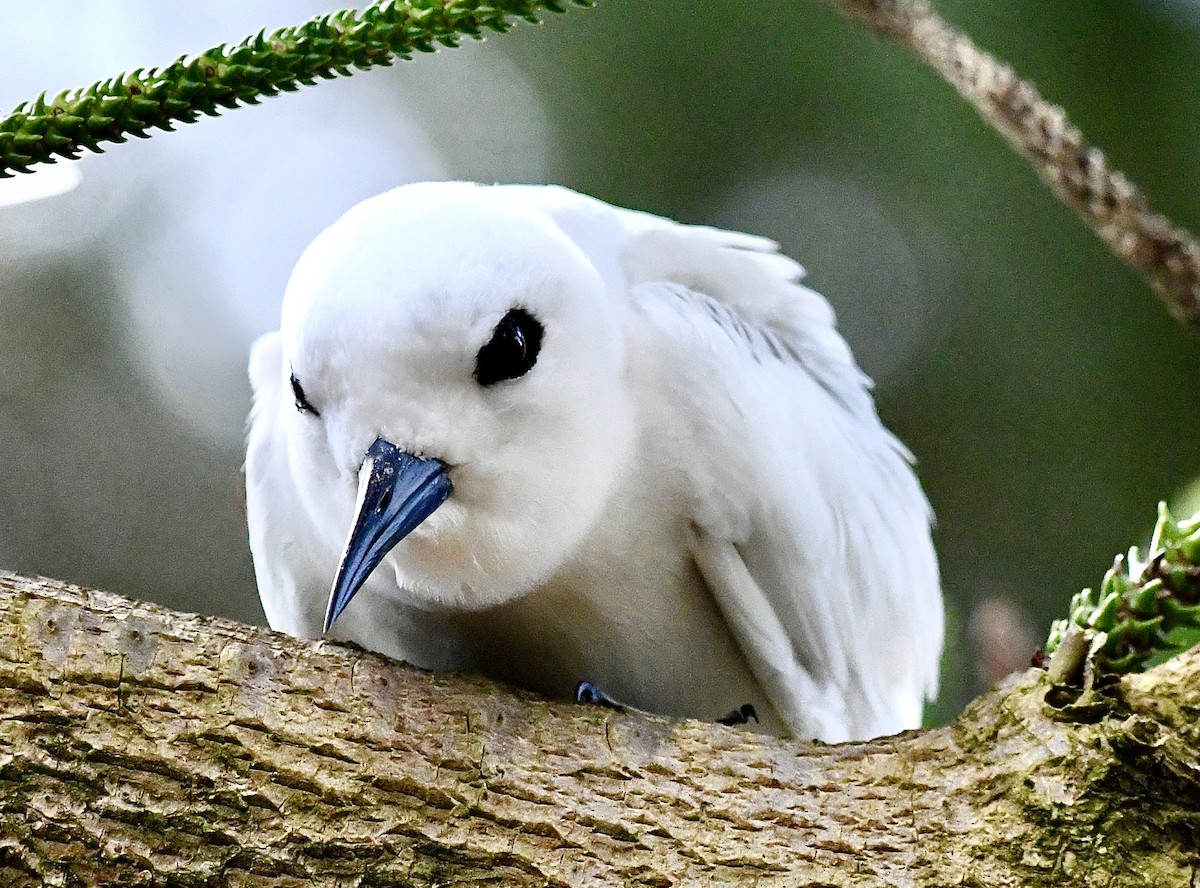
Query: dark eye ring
[513,349]
[302,402]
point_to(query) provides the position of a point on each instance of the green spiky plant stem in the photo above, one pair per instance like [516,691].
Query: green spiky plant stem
[133,103]
[1147,608]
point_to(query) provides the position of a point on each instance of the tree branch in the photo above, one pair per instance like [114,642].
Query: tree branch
[1108,203]
[139,746]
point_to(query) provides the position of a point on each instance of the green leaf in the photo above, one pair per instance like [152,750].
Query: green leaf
[1148,607]
[328,46]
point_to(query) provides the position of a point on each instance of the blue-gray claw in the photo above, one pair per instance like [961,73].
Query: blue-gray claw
[740,716]
[586,692]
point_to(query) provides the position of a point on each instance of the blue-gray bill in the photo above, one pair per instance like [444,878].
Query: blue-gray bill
[396,492]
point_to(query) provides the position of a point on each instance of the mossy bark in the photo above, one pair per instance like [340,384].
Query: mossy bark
[144,747]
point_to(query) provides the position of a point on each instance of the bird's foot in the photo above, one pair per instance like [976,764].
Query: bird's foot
[586,692]
[591,694]
[740,716]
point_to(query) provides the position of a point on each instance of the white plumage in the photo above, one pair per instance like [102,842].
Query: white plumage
[687,499]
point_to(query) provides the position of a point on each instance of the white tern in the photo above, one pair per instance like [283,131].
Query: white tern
[514,429]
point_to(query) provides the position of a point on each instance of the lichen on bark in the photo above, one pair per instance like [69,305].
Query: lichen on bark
[139,746]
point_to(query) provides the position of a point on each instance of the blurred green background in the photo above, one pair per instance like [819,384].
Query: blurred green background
[1047,396]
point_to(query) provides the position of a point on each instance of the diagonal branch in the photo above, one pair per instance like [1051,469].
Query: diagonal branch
[140,746]
[263,65]
[1107,202]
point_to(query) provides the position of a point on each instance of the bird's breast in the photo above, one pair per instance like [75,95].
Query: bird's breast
[636,620]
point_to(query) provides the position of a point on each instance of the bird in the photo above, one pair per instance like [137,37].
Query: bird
[516,430]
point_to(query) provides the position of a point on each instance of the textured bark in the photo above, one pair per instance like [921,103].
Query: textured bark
[144,747]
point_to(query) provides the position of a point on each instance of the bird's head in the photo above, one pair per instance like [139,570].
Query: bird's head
[459,412]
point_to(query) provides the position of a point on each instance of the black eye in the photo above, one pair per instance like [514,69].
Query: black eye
[513,349]
[301,401]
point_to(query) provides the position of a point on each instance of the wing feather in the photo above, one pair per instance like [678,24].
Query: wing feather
[814,528]
[770,651]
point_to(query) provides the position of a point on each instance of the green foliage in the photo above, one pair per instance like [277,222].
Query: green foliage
[1147,610]
[262,65]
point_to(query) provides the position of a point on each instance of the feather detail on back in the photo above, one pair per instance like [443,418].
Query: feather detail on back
[745,272]
[818,501]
